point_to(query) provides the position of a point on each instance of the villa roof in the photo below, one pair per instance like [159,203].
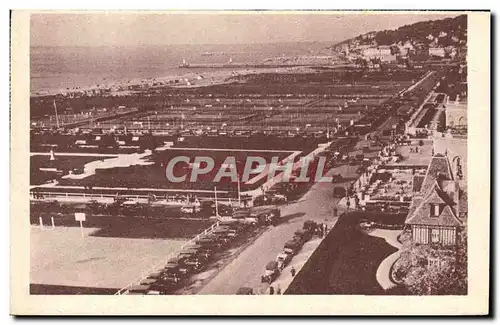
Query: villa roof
[418,180]
[421,215]
[439,167]
[437,187]
[435,197]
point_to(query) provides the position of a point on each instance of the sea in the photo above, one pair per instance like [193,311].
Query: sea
[56,68]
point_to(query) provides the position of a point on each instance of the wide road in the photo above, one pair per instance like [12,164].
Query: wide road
[246,270]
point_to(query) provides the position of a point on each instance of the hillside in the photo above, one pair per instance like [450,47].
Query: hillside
[449,32]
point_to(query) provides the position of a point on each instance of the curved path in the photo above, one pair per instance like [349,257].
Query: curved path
[384,269]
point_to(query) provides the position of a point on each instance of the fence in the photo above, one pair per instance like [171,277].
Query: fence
[144,275]
[81,194]
[40,195]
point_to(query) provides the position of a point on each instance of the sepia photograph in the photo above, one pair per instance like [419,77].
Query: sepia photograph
[252,153]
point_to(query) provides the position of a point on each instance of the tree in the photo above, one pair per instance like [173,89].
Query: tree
[446,276]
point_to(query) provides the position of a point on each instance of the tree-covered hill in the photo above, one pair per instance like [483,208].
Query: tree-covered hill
[450,31]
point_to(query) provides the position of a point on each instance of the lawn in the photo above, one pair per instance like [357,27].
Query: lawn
[346,261]
[154,176]
[65,163]
[61,257]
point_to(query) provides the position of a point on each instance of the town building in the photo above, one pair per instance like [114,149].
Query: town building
[438,209]
[376,52]
[344,48]
[437,51]
[408,46]
[388,58]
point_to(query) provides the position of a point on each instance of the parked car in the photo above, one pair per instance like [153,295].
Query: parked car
[178,265]
[219,238]
[196,263]
[210,242]
[283,259]
[310,225]
[339,192]
[225,231]
[205,252]
[190,209]
[271,273]
[187,253]
[172,277]
[140,289]
[233,224]
[292,247]
[245,291]
[337,178]
[148,282]
[302,236]
[171,269]
[155,275]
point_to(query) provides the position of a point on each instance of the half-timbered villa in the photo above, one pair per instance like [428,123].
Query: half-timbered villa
[436,214]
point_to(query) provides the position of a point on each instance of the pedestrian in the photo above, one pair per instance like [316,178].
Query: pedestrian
[271,290]
[278,291]
[292,271]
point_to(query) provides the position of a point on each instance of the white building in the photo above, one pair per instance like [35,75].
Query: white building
[436,51]
[376,52]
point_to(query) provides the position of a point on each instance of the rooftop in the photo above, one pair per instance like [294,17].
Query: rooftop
[438,187]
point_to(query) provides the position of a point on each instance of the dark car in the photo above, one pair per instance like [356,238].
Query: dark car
[196,263]
[310,225]
[164,286]
[339,192]
[209,242]
[225,231]
[283,259]
[139,289]
[186,254]
[337,178]
[155,275]
[245,291]
[202,251]
[172,268]
[302,235]
[292,247]
[271,273]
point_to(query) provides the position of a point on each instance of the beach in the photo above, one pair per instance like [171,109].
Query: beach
[63,69]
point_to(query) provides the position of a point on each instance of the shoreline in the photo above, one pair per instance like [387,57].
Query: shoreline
[198,75]
[189,79]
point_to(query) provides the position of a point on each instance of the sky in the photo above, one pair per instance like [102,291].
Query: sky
[137,29]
